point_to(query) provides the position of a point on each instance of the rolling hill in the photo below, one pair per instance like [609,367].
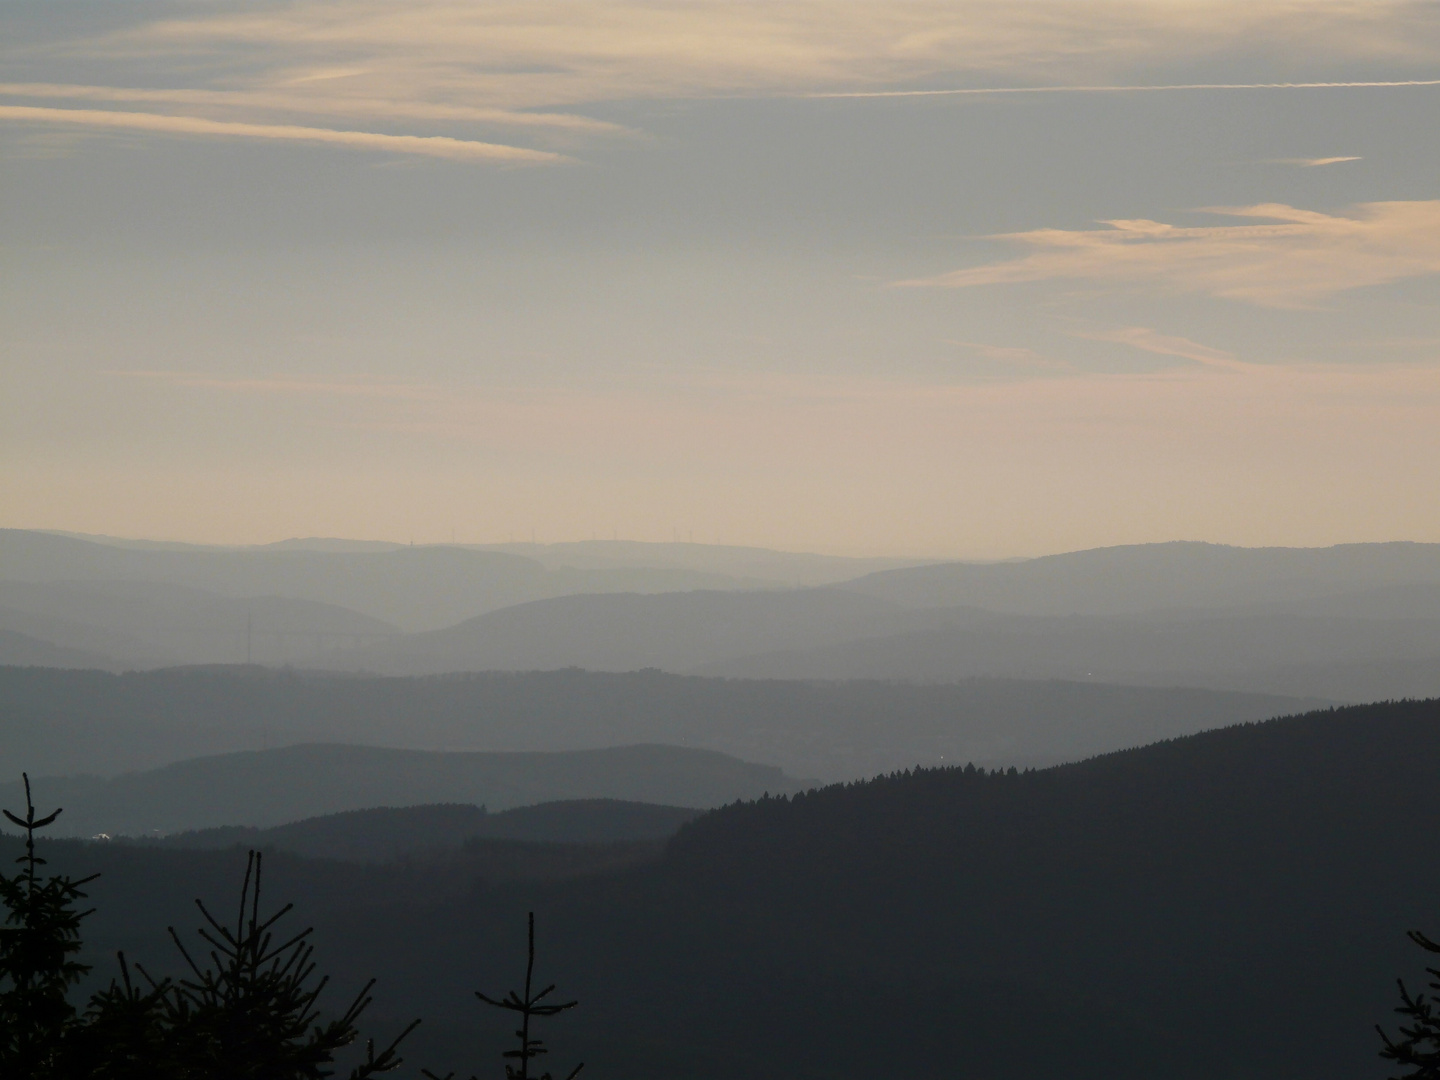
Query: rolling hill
[1355,622]
[1341,657]
[271,787]
[628,632]
[832,634]
[145,624]
[21,650]
[413,587]
[381,834]
[67,722]
[1147,577]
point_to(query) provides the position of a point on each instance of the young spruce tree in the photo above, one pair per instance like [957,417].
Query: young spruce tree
[38,945]
[1417,1045]
[529,1006]
[252,1012]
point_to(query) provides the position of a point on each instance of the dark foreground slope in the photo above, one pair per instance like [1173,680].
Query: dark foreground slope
[1226,905]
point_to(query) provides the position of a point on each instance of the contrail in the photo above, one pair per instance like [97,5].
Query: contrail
[1118,89]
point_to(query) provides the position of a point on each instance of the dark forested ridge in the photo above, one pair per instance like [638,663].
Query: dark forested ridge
[1230,904]
[383,833]
[66,722]
[271,787]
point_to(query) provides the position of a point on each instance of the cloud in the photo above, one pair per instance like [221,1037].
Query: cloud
[439,146]
[1310,163]
[548,51]
[526,63]
[238,101]
[1303,258]
[1142,337]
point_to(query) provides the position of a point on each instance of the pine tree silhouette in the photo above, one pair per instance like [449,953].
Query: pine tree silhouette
[1418,1046]
[529,1005]
[122,1035]
[253,1013]
[38,944]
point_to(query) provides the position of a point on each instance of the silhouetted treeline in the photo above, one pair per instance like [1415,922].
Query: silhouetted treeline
[245,1005]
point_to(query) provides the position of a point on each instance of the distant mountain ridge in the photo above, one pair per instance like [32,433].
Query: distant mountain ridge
[1265,653]
[1353,622]
[835,634]
[145,624]
[22,650]
[1136,578]
[627,632]
[414,587]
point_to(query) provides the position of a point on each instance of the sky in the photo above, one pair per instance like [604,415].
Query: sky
[961,279]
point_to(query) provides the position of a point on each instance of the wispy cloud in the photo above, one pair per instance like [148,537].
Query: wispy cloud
[252,101]
[526,63]
[1300,258]
[1310,163]
[439,146]
[1148,340]
[575,50]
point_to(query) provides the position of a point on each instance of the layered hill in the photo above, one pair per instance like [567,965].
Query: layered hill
[381,834]
[1322,655]
[1228,904]
[19,649]
[1354,622]
[1145,577]
[413,587]
[66,722]
[1343,647]
[147,624]
[629,632]
[271,787]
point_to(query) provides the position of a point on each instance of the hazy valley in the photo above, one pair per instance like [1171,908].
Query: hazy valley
[702,778]
[1355,623]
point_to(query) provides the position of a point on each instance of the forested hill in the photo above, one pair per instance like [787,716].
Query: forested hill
[385,833]
[1231,904]
[1174,910]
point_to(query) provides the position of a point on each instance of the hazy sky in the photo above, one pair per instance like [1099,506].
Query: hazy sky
[962,278]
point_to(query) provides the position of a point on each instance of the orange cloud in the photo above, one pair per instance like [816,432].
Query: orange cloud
[1304,257]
